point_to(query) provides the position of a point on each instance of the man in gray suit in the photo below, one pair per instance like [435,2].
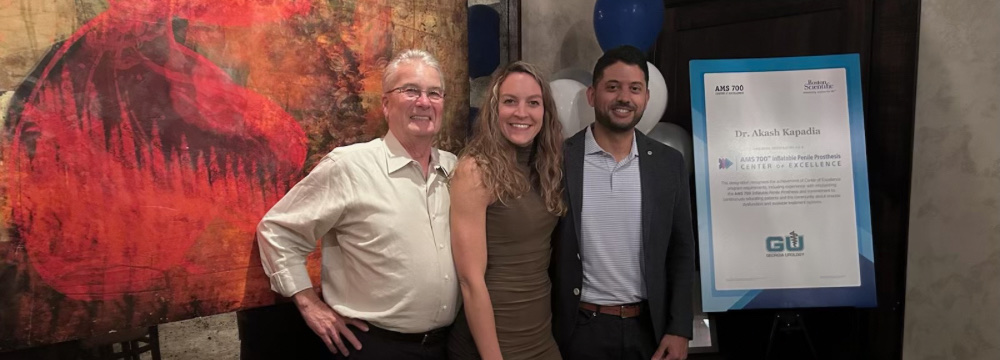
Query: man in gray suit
[623,256]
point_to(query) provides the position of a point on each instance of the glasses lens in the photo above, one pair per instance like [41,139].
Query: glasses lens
[411,93]
[414,93]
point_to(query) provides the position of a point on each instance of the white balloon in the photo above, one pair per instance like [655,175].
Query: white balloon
[657,103]
[565,93]
[674,136]
[583,112]
[578,74]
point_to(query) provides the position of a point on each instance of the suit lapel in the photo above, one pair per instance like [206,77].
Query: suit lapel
[647,183]
[574,177]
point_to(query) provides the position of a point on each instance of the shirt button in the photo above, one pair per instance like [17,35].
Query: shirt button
[440,246]
[578,256]
[445,307]
[446,277]
[576,291]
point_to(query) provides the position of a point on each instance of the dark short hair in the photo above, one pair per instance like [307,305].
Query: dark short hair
[627,54]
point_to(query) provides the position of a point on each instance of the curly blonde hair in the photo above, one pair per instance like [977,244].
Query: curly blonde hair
[496,157]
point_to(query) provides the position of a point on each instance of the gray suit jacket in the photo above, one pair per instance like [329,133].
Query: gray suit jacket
[667,240]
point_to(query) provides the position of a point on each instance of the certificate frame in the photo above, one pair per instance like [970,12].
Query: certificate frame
[716,300]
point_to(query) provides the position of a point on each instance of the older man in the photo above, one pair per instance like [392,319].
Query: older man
[381,210]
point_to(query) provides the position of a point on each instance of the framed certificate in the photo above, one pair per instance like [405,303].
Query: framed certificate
[781,183]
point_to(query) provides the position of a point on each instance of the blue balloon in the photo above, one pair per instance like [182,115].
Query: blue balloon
[627,22]
[484,40]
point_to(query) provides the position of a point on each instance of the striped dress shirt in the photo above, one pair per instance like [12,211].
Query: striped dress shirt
[611,227]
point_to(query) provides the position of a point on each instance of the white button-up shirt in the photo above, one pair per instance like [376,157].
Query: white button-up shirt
[385,236]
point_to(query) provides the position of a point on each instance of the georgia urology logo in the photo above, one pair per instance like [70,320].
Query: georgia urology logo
[791,245]
[724,163]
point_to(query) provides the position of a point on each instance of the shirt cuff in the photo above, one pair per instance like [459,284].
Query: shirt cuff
[289,281]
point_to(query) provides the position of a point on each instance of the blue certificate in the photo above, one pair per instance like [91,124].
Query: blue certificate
[781,183]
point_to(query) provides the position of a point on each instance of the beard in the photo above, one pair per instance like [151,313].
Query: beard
[605,120]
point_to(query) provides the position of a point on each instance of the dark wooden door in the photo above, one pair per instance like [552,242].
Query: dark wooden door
[728,29]
[884,33]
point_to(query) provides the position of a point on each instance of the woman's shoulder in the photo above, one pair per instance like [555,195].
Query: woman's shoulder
[468,165]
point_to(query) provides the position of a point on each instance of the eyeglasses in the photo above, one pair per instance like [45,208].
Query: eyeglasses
[412,93]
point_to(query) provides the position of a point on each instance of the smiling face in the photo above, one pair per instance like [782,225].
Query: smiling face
[412,119]
[521,109]
[619,97]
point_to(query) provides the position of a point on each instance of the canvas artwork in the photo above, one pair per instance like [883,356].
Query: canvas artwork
[144,139]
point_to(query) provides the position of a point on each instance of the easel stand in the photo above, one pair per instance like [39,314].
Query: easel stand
[787,322]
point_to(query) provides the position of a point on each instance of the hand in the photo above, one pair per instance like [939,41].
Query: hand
[330,326]
[672,347]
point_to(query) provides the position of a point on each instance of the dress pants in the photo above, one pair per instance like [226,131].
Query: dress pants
[608,337]
[381,344]
[278,332]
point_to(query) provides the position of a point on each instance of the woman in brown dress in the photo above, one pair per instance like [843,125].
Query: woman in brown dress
[506,197]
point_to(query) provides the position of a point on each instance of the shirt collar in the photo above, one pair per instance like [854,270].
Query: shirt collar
[590,145]
[396,157]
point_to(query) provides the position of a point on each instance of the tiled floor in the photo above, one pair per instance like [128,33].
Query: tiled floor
[211,337]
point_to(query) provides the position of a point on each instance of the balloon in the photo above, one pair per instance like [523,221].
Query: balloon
[657,103]
[583,112]
[484,40]
[674,136]
[627,22]
[578,74]
[566,92]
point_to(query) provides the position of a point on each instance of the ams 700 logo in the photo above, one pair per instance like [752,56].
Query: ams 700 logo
[728,88]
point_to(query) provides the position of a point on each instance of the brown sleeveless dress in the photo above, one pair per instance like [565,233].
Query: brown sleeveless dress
[518,250]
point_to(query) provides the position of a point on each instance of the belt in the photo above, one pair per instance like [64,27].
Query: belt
[624,311]
[425,338]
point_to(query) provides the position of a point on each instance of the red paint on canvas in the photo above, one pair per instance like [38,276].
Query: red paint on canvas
[140,153]
[133,148]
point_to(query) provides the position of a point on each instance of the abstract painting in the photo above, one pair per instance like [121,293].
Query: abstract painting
[144,139]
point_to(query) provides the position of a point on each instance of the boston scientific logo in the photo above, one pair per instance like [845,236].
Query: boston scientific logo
[817,87]
[724,163]
[787,246]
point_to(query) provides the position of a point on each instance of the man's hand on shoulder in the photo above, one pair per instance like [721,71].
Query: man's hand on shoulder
[330,326]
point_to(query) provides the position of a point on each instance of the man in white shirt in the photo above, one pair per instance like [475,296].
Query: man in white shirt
[381,211]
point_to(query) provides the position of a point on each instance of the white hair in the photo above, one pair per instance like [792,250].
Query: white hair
[412,55]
